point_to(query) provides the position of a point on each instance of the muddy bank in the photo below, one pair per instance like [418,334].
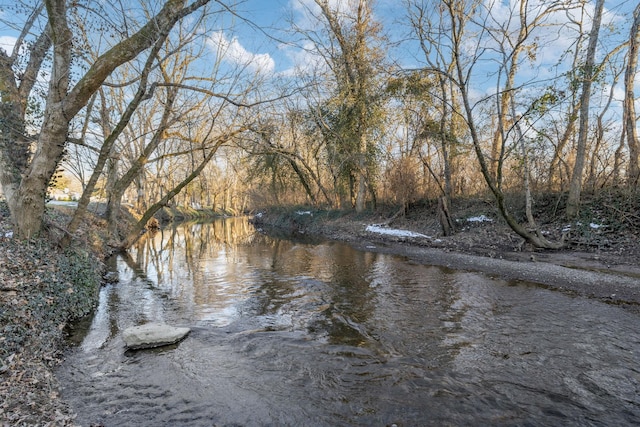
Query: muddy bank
[611,286]
[609,272]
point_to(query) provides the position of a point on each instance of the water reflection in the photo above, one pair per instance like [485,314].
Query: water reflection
[294,333]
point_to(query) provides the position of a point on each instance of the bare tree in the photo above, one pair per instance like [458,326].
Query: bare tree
[111,135]
[209,149]
[283,145]
[457,19]
[630,118]
[590,71]
[25,178]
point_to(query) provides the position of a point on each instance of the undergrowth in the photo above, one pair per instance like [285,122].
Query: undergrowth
[42,288]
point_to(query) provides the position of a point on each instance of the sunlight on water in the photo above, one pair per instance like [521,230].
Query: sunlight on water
[293,333]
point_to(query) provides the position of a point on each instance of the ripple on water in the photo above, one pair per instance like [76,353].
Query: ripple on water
[295,334]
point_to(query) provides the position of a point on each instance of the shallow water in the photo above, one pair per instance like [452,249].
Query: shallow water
[292,333]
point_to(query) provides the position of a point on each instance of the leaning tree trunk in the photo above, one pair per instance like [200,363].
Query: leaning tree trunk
[138,229]
[62,105]
[114,198]
[120,186]
[536,240]
[106,150]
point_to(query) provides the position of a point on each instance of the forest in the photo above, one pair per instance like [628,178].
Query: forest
[154,104]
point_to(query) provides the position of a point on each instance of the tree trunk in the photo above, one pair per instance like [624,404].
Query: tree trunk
[444,140]
[29,194]
[444,217]
[556,160]
[138,229]
[575,187]
[13,153]
[362,169]
[558,166]
[120,186]
[457,24]
[361,192]
[629,101]
[14,96]
[111,136]
[599,137]
[114,198]
[618,157]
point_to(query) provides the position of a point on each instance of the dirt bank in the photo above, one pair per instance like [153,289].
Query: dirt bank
[596,262]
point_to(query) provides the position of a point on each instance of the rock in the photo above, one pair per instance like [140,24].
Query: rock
[153,335]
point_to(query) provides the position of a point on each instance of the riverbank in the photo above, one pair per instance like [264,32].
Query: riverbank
[41,289]
[177,214]
[600,259]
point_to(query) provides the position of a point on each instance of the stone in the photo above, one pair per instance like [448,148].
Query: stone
[153,335]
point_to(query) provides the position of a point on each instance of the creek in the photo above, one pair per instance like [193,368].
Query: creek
[288,332]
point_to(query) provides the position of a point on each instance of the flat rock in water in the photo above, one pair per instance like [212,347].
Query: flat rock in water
[153,335]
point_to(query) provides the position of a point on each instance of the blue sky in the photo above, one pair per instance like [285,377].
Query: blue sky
[245,44]
[275,17]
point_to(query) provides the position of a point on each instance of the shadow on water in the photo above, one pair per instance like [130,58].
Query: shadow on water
[294,333]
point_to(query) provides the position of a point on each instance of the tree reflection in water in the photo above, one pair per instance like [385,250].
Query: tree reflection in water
[346,338]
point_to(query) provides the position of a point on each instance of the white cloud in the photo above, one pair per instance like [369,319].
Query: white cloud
[557,31]
[7,43]
[305,61]
[307,11]
[231,51]
[308,18]
[303,6]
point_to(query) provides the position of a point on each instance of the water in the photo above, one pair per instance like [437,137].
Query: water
[288,333]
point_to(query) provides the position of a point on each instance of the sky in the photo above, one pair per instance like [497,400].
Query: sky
[259,38]
[269,56]
[279,59]
[281,53]
[243,42]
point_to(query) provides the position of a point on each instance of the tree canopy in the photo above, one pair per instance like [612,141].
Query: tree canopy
[156,104]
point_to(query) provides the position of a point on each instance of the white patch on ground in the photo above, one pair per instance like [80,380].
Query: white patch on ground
[592,225]
[480,218]
[303,212]
[394,232]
